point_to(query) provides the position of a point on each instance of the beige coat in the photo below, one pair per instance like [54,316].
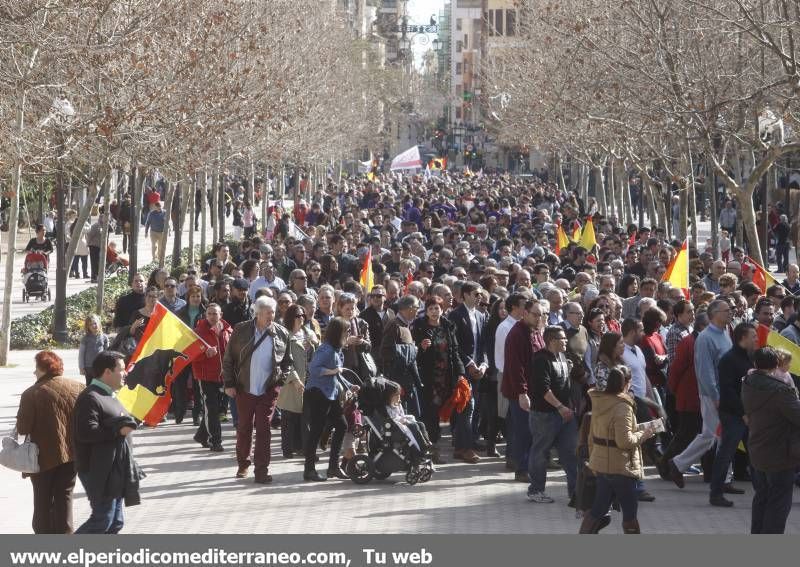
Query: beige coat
[290,399]
[614,419]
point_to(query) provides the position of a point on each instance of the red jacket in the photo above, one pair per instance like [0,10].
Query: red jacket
[682,379]
[209,368]
[652,345]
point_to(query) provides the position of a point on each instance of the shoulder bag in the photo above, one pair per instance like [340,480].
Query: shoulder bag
[21,457]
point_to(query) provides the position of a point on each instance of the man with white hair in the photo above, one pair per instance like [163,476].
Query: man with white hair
[256,363]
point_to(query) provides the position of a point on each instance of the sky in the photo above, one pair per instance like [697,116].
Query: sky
[420,12]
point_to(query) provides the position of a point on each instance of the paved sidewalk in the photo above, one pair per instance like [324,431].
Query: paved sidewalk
[189,490]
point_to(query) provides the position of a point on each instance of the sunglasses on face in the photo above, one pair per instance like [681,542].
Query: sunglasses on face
[170,285]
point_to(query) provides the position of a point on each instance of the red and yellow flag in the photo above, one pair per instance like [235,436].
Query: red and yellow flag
[588,239]
[409,279]
[438,164]
[562,242]
[367,279]
[167,346]
[770,337]
[761,277]
[678,271]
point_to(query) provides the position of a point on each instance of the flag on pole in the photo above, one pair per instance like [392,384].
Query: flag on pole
[167,346]
[588,240]
[770,337]
[367,279]
[428,173]
[409,159]
[761,277]
[562,242]
[678,271]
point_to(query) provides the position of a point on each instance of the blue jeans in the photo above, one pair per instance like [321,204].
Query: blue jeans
[772,501]
[462,427]
[520,435]
[549,430]
[107,517]
[733,431]
[624,488]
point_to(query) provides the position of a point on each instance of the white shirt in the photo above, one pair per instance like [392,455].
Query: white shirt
[260,364]
[261,282]
[500,341]
[634,360]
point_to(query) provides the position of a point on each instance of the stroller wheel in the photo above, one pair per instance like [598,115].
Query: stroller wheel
[378,474]
[25,295]
[359,469]
[425,474]
[412,476]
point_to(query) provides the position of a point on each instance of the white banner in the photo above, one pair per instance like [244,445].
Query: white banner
[409,159]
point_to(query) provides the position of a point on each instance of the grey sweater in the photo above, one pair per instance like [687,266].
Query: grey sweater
[91,346]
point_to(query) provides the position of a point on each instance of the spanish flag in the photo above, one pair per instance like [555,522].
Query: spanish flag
[678,271]
[168,345]
[367,279]
[562,242]
[588,240]
[438,164]
[409,279]
[761,277]
[576,231]
[769,337]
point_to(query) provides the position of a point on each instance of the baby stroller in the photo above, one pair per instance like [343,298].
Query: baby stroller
[388,448]
[34,277]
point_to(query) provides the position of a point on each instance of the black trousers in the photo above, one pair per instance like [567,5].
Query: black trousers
[489,417]
[74,268]
[293,432]
[210,428]
[197,406]
[689,425]
[52,500]
[772,501]
[180,395]
[319,410]
[430,416]
[94,260]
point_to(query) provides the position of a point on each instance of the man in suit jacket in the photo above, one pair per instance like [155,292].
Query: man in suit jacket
[470,330]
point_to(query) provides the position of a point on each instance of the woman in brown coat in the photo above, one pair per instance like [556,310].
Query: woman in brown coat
[615,456]
[45,414]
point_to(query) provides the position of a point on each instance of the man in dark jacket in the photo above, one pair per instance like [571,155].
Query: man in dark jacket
[733,366]
[377,316]
[103,455]
[129,303]
[238,310]
[552,420]
[772,409]
[398,353]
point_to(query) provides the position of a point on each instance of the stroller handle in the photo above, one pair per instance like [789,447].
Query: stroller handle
[358,381]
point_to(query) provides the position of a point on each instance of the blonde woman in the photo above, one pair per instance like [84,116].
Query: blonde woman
[94,342]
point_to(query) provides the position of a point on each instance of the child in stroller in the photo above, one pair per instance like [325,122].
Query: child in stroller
[394,441]
[34,277]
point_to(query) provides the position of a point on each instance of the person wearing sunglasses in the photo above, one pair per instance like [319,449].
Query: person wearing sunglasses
[170,299]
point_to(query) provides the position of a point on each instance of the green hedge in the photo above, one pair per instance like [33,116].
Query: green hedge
[34,332]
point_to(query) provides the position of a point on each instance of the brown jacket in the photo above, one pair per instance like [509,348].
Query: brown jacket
[45,413]
[614,421]
[236,363]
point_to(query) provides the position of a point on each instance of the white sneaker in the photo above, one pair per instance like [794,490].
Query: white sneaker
[540,498]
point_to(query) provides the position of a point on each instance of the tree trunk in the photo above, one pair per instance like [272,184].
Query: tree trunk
[83,215]
[193,187]
[692,196]
[214,208]
[60,305]
[101,265]
[13,218]
[625,190]
[599,190]
[711,186]
[203,214]
[748,224]
[221,210]
[251,183]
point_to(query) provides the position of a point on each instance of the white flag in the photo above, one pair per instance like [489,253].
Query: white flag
[409,159]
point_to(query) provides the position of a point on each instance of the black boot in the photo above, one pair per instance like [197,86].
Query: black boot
[310,474]
[592,525]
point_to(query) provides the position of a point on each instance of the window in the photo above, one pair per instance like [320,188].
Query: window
[458,113]
[458,68]
[490,20]
[459,24]
[459,46]
[466,41]
[511,22]
[498,22]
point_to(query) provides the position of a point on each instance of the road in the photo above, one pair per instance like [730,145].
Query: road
[190,490]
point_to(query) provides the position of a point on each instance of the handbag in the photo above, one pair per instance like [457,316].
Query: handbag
[21,457]
[366,366]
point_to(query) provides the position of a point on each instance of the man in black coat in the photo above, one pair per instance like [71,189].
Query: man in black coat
[377,315]
[103,454]
[470,330]
[129,303]
[238,310]
[733,367]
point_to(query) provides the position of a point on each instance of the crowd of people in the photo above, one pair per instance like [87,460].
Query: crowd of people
[575,359]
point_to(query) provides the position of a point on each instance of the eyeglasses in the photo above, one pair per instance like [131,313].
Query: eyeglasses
[170,285]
